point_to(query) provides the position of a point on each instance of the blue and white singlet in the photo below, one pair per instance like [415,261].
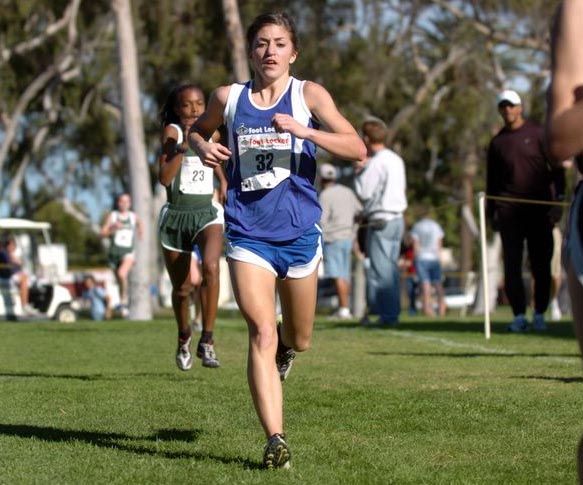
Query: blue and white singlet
[271,193]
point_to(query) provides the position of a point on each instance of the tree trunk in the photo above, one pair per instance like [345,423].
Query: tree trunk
[236,40]
[140,278]
[469,232]
[467,238]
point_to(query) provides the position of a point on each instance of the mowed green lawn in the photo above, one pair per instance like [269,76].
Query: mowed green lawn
[429,402]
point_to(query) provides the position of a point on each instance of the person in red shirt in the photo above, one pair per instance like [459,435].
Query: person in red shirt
[407,264]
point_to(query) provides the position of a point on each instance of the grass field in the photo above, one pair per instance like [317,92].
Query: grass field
[429,402]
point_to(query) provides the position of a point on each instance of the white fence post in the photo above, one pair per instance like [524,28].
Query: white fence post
[484,251]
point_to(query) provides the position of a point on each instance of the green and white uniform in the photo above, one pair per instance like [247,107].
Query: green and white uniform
[190,206]
[123,240]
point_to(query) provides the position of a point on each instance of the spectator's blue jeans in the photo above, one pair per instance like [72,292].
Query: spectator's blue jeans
[383,279]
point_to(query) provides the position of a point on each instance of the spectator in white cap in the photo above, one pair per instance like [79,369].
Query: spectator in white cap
[509,96]
[518,168]
[339,209]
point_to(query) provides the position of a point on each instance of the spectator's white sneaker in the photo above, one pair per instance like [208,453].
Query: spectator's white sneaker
[556,313]
[125,311]
[30,310]
[341,313]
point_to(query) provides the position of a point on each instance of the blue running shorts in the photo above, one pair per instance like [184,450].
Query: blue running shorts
[297,258]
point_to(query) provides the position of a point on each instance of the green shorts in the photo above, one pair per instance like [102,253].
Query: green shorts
[179,226]
[116,255]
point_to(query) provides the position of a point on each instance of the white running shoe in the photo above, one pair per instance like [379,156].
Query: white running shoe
[276,453]
[183,356]
[206,352]
[284,359]
[284,362]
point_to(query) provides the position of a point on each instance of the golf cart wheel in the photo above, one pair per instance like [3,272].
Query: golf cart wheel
[65,314]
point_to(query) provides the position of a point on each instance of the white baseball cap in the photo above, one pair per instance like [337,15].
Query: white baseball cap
[509,96]
[328,171]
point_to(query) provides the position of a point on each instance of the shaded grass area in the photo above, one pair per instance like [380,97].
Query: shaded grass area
[429,402]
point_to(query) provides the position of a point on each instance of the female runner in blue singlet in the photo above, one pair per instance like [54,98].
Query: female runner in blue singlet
[564,126]
[272,207]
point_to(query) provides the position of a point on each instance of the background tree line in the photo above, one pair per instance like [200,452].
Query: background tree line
[429,68]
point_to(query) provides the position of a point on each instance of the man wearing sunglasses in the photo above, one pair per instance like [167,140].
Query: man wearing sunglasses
[519,169]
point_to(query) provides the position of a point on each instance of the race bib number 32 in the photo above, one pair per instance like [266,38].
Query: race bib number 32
[265,160]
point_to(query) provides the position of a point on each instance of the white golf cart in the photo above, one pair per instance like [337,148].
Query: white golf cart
[41,259]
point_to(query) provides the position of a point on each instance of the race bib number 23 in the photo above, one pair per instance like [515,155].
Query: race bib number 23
[195,178]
